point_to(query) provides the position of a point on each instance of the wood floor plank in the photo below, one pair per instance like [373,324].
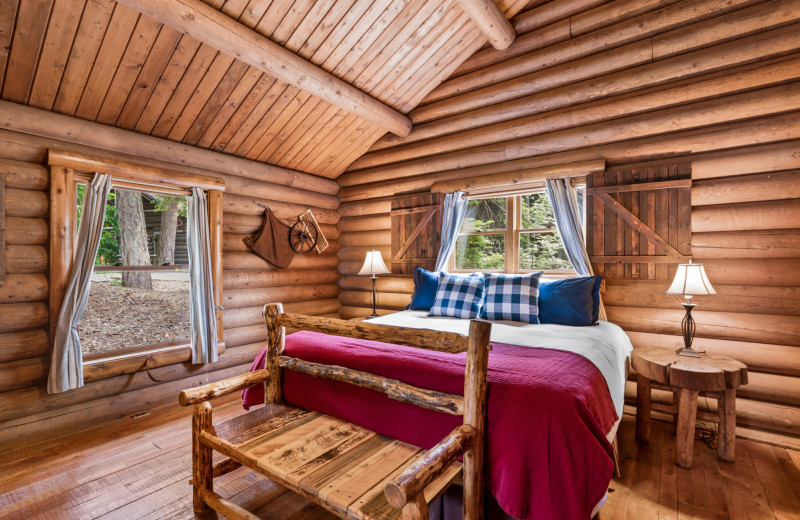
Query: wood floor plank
[668,490]
[781,496]
[743,492]
[790,467]
[718,507]
[644,493]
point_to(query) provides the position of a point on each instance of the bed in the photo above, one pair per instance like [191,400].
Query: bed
[554,402]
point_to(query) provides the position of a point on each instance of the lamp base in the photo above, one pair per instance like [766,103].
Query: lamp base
[373,315]
[688,352]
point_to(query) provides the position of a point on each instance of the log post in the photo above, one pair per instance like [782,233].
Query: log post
[202,470]
[417,509]
[215,240]
[62,197]
[475,415]
[727,425]
[642,408]
[687,413]
[275,339]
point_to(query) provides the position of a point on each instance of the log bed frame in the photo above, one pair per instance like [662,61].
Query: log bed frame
[348,470]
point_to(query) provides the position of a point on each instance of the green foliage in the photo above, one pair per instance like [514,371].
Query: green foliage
[487,252]
[542,251]
[108,253]
[481,252]
[163,202]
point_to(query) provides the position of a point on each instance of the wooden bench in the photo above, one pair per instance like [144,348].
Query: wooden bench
[348,470]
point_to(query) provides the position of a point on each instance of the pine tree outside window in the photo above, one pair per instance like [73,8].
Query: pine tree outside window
[514,234]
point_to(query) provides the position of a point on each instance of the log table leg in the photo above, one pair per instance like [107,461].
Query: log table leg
[687,413]
[642,408]
[675,412]
[202,470]
[727,425]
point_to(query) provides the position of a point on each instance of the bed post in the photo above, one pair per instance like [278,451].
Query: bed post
[475,416]
[275,339]
[202,472]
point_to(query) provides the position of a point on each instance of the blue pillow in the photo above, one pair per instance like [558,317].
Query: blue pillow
[425,283]
[458,296]
[513,297]
[572,301]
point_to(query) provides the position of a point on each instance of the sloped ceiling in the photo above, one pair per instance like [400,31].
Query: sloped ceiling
[102,61]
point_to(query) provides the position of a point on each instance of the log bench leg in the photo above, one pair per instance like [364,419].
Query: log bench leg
[416,509]
[202,471]
[642,408]
[687,414]
[727,425]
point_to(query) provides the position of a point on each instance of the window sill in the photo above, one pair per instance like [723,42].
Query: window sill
[109,364]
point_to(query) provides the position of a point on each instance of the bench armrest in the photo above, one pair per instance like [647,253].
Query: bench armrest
[418,476]
[220,388]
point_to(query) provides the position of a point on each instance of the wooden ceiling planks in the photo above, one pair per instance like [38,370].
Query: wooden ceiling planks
[104,62]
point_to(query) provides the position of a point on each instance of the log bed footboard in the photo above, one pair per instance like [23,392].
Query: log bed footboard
[348,470]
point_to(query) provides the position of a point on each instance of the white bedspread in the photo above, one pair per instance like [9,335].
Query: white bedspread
[605,345]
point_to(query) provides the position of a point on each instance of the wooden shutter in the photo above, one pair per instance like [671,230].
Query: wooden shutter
[416,231]
[638,221]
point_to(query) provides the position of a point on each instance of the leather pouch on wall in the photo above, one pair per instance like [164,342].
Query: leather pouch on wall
[272,242]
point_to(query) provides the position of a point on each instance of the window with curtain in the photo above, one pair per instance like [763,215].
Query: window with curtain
[512,234]
[155,284]
[139,294]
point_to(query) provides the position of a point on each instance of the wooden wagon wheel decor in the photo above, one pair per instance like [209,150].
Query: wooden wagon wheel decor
[303,236]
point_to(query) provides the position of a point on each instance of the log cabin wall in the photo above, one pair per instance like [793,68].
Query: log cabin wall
[715,84]
[308,285]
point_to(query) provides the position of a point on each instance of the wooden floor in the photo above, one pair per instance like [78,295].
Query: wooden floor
[139,469]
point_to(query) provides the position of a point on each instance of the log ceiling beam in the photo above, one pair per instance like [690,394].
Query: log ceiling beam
[209,26]
[491,21]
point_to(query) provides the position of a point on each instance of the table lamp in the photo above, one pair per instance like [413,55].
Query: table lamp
[373,266]
[690,280]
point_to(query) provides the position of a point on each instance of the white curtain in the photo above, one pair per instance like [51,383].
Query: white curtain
[564,200]
[454,207]
[203,320]
[66,364]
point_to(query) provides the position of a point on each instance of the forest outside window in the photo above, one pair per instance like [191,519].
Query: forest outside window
[512,234]
[140,287]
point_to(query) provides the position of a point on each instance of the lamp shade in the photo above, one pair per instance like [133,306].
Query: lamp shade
[691,280]
[373,264]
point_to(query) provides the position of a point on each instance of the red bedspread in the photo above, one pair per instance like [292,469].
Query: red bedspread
[548,411]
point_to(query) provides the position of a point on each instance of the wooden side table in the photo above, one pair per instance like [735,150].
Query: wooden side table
[717,377]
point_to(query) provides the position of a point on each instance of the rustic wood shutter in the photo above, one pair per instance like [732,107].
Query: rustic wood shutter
[416,232]
[638,221]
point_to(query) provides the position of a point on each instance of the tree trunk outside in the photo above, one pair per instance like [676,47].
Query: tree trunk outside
[133,238]
[165,253]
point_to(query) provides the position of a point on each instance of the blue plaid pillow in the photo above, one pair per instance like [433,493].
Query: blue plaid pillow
[512,297]
[459,296]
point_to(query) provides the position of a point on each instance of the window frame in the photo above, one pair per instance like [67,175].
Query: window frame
[513,233]
[70,169]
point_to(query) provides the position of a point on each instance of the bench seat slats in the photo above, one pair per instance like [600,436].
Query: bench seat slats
[338,465]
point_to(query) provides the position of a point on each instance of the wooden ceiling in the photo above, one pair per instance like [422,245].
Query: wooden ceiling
[101,61]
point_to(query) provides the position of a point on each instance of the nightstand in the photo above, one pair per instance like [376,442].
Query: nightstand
[711,376]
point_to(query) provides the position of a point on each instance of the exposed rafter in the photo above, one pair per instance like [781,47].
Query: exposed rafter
[491,21]
[217,30]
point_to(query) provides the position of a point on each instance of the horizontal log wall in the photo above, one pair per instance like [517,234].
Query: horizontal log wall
[713,83]
[309,286]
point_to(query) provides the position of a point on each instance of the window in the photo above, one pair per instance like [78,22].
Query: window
[511,234]
[128,329]
[140,286]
